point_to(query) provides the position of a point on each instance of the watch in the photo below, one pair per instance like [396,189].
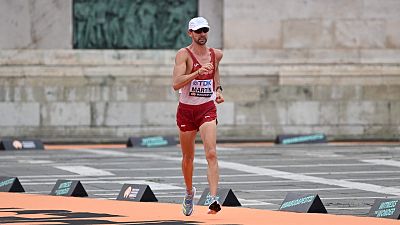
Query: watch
[219,87]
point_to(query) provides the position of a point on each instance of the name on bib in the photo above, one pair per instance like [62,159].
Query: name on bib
[201,88]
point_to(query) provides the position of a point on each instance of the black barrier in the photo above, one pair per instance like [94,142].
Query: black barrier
[137,193]
[305,203]
[152,141]
[25,144]
[69,188]
[225,196]
[10,184]
[299,139]
[385,208]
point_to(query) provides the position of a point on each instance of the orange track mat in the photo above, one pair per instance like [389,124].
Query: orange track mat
[22,208]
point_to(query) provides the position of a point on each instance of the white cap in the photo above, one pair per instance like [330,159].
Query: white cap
[197,23]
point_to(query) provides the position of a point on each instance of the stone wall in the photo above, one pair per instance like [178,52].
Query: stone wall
[35,24]
[101,95]
[312,24]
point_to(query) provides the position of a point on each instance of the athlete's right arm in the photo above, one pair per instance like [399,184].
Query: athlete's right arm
[179,78]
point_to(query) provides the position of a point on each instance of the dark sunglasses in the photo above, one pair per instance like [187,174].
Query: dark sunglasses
[202,30]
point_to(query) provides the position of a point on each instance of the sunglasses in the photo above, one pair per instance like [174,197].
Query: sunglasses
[202,30]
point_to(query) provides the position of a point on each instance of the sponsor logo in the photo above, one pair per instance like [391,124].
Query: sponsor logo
[386,208]
[28,144]
[303,139]
[296,202]
[127,192]
[17,144]
[131,192]
[7,182]
[63,188]
[154,141]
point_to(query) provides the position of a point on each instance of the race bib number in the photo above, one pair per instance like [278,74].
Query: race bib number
[201,88]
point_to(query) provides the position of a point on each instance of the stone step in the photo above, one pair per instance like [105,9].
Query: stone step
[79,70]
[166,57]
[284,71]
[86,57]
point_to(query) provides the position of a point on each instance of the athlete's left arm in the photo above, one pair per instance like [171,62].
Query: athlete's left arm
[218,57]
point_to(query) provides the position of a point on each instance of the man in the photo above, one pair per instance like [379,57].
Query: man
[196,75]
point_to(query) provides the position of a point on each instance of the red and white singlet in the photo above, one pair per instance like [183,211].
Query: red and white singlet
[201,89]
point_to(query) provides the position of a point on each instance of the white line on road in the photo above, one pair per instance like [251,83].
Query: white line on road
[317,165]
[348,208]
[332,198]
[296,189]
[33,161]
[152,169]
[153,185]
[384,162]
[374,179]
[273,173]
[248,202]
[352,172]
[85,170]
[305,178]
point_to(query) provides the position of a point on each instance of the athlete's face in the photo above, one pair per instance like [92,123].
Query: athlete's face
[200,36]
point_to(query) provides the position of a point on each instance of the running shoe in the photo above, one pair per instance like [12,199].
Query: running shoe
[187,206]
[214,207]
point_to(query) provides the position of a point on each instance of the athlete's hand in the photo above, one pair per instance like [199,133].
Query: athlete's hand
[206,68]
[219,99]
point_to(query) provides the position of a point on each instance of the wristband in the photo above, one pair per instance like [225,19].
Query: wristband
[219,87]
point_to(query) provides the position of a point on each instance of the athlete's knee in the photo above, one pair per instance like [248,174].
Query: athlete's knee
[211,155]
[188,158]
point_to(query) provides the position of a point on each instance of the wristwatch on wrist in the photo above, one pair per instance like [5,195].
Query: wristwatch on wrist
[219,87]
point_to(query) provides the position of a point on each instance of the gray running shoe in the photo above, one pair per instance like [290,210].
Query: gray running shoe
[187,205]
[214,207]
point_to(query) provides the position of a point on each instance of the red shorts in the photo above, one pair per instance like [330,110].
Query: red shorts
[191,117]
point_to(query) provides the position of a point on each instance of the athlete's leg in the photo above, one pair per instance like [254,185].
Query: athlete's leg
[208,132]
[187,140]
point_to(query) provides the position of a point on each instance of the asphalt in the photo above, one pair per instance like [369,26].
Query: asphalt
[348,177]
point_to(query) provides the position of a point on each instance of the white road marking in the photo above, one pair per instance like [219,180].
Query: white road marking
[248,182]
[348,208]
[151,169]
[153,185]
[85,170]
[295,189]
[305,178]
[228,149]
[25,161]
[318,165]
[44,177]
[353,172]
[374,179]
[332,198]
[275,173]
[309,159]
[384,162]
[247,202]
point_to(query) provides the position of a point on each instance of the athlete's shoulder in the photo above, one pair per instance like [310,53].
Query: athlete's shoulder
[182,54]
[182,51]
[218,53]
